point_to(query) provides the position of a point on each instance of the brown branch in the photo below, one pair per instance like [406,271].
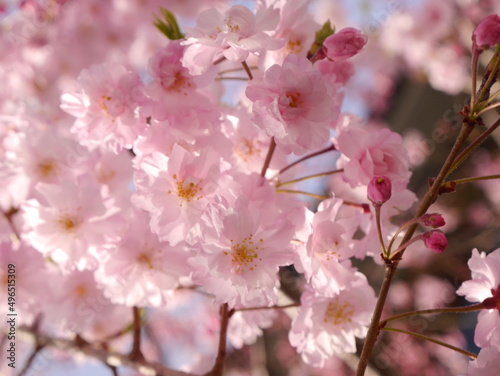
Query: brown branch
[391,265]
[221,352]
[108,357]
[136,353]
[38,347]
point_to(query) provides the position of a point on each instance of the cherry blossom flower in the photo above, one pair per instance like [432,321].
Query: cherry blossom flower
[140,270]
[367,153]
[485,284]
[80,307]
[178,191]
[326,326]
[172,84]
[296,27]
[69,219]
[241,251]
[326,264]
[105,107]
[232,35]
[291,104]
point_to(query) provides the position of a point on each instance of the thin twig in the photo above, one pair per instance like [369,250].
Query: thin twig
[379,230]
[235,70]
[302,193]
[269,156]
[471,308]
[472,146]
[267,307]
[231,78]
[487,108]
[438,342]
[322,174]
[319,152]
[247,69]
[477,178]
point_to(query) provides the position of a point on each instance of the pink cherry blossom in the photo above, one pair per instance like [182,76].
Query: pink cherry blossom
[176,190]
[140,270]
[344,44]
[291,105]
[105,107]
[485,284]
[68,220]
[241,252]
[172,84]
[336,72]
[327,326]
[80,307]
[367,153]
[296,26]
[326,264]
[232,35]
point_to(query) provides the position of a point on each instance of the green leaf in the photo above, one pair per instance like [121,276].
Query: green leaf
[323,33]
[168,25]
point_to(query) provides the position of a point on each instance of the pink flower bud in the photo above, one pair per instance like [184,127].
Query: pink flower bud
[487,33]
[344,44]
[379,190]
[433,220]
[435,240]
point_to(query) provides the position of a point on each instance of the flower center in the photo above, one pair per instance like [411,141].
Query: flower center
[246,149]
[105,176]
[338,313]
[187,190]
[46,168]
[294,99]
[145,260]
[245,254]
[294,46]
[81,291]
[68,223]
[178,83]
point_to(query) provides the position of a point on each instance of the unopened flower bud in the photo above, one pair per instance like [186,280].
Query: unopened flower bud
[435,240]
[379,190]
[433,220]
[487,33]
[344,44]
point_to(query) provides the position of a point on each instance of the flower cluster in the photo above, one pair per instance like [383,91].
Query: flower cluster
[130,183]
